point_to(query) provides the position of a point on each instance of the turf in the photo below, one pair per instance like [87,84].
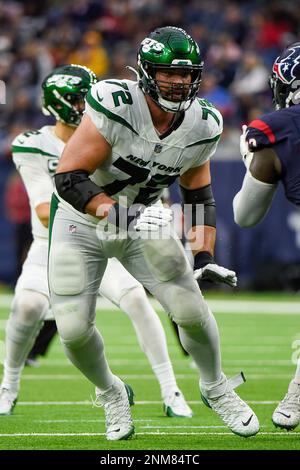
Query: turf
[54,410]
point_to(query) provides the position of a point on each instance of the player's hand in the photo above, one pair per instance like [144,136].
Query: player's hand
[215,273]
[244,148]
[206,269]
[152,218]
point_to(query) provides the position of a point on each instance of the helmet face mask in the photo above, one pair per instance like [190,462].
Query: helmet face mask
[63,93]
[285,78]
[170,50]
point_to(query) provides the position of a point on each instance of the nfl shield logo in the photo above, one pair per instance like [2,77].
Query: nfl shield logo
[72,228]
[158,148]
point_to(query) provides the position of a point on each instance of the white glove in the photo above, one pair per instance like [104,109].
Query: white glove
[152,218]
[215,273]
[244,148]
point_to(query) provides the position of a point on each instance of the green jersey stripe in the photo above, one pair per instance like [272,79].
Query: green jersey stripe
[17,149]
[205,141]
[114,117]
[53,209]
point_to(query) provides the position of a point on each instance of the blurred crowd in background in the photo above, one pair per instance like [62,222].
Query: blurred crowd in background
[239,41]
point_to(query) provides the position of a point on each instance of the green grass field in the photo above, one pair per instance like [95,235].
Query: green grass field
[54,409]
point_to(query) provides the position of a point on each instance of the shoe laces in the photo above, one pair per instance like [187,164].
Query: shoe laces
[116,407]
[290,401]
[229,405]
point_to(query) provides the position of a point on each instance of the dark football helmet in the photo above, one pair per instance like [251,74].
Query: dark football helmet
[165,49]
[285,78]
[63,92]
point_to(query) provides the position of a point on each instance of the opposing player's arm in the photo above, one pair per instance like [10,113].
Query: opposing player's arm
[255,197]
[86,150]
[265,166]
[197,193]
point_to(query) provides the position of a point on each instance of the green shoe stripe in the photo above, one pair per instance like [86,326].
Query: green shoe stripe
[130,394]
[205,401]
[129,435]
[170,413]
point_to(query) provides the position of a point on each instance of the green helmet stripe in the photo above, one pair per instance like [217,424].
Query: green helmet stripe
[205,141]
[114,117]
[17,149]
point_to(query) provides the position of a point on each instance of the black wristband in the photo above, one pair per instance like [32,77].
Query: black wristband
[202,259]
[118,215]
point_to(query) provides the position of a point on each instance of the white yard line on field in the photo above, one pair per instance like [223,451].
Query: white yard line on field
[157,433]
[98,420]
[193,376]
[217,305]
[145,402]
[48,362]
[136,421]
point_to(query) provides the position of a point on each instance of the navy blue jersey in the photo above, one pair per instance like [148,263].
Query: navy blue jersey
[280,130]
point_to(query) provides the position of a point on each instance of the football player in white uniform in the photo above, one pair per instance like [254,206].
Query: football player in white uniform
[135,139]
[36,155]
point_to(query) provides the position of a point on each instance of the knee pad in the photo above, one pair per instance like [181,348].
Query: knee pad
[165,258]
[185,305]
[29,307]
[67,270]
[72,324]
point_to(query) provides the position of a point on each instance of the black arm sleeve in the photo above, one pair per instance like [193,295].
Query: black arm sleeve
[76,188]
[199,206]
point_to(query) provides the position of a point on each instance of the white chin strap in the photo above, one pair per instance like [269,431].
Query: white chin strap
[172,106]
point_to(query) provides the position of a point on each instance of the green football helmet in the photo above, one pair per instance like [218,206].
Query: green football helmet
[164,49]
[63,92]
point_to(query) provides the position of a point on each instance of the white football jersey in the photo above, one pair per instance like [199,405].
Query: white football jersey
[36,155]
[144,163]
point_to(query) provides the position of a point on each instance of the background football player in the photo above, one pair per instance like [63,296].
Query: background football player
[36,155]
[270,147]
[135,139]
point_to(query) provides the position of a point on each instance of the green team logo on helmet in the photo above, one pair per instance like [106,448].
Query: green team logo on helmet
[63,92]
[164,49]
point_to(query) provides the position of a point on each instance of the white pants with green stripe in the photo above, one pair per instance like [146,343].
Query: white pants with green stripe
[77,261]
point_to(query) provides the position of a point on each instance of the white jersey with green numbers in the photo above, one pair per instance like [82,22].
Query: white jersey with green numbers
[143,162]
[36,154]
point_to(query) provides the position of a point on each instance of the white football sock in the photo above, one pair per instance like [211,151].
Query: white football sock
[87,354]
[165,376]
[151,335]
[25,321]
[203,344]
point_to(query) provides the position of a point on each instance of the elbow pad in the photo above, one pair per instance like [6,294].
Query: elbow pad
[76,188]
[199,207]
